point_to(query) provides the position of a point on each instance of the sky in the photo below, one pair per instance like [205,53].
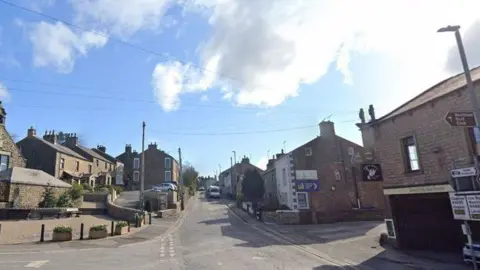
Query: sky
[216,76]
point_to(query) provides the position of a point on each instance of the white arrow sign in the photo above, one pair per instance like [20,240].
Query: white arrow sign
[463,172]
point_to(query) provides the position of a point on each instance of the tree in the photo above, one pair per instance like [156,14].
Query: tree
[252,186]
[49,200]
[190,176]
[65,200]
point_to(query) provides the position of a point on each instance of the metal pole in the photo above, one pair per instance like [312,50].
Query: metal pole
[182,190]
[233,180]
[142,173]
[471,89]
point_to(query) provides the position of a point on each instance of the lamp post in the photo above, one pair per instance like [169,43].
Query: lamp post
[476,107]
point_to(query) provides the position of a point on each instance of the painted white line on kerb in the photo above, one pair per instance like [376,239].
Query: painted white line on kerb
[36,264]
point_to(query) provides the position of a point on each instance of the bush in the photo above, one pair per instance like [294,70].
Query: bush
[64,200]
[121,224]
[76,192]
[49,200]
[62,229]
[99,228]
[87,187]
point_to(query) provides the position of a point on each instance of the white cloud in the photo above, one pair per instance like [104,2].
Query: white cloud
[57,46]
[269,48]
[123,17]
[172,79]
[262,163]
[471,42]
[204,98]
[4,93]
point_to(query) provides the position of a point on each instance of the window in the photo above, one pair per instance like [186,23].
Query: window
[97,163]
[106,165]
[284,177]
[89,168]
[62,163]
[136,163]
[4,162]
[168,163]
[308,151]
[168,176]
[136,176]
[110,167]
[78,166]
[410,154]
[302,200]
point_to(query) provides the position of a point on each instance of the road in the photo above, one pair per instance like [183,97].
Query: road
[207,236]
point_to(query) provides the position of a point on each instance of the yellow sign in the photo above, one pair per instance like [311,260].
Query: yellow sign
[418,190]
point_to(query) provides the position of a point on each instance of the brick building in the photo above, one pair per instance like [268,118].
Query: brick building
[159,167]
[417,148]
[343,195]
[48,155]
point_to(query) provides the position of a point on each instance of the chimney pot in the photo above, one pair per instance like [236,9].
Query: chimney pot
[31,132]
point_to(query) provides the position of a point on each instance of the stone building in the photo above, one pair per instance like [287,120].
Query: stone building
[48,155]
[101,168]
[159,167]
[10,155]
[24,188]
[417,149]
[342,195]
[270,183]
[231,177]
[117,174]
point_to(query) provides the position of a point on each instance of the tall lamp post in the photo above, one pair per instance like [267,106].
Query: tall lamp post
[476,107]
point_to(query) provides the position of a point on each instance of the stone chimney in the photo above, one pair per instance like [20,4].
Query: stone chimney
[279,155]
[102,148]
[50,136]
[128,148]
[245,160]
[3,114]
[327,129]
[71,140]
[31,132]
[271,163]
[152,146]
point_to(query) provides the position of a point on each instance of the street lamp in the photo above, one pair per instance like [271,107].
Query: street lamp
[473,97]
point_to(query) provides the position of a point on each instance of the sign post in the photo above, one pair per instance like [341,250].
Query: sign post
[461,119]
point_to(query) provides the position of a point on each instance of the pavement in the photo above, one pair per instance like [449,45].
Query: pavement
[208,235]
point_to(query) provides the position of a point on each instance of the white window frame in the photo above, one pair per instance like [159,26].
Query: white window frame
[306,200]
[136,163]
[308,151]
[5,166]
[394,236]
[171,179]
[168,163]
[284,177]
[62,163]
[136,176]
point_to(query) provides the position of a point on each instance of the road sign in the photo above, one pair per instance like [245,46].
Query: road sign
[464,172]
[461,119]
[307,185]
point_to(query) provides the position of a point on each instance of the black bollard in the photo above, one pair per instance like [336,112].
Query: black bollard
[136,220]
[111,231]
[81,231]
[42,233]
[150,218]
[128,223]
[144,219]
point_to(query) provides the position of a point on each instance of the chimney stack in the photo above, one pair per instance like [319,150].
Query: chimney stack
[102,148]
[128,148]
[31,132]
[71,140]
[245,160]
[152,146]
[50,136]
[327,129]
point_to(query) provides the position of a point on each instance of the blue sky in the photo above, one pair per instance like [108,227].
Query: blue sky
[216,67]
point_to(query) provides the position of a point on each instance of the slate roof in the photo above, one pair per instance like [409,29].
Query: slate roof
[18,175]
[92,153]
[440,89]
[58,147]
[105,155]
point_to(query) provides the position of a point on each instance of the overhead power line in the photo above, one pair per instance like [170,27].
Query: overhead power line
[235,133]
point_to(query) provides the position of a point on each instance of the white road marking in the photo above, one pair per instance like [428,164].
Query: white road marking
[36,264]
[257,258]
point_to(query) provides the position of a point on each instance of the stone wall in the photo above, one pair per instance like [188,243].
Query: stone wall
[351,215]
[29,196]
[281,217]
[121,213]
[95,197]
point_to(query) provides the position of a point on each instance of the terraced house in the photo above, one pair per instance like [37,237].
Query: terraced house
[48,155]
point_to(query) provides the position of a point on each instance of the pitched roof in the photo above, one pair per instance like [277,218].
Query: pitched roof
[58,147]
[105,155]
[20,175]
[91,152]
[440,89]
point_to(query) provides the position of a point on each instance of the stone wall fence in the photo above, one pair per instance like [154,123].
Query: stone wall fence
[122,213]
[95,197]
[282,217]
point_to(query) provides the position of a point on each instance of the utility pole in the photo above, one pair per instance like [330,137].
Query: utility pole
[476,108]
[142,173]
[233,180]
[182,190]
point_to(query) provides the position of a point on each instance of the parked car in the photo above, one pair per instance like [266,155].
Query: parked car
[165,187]
[213,192]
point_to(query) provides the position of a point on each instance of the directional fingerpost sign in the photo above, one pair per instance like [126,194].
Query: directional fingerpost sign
[461,119]
[307,185]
